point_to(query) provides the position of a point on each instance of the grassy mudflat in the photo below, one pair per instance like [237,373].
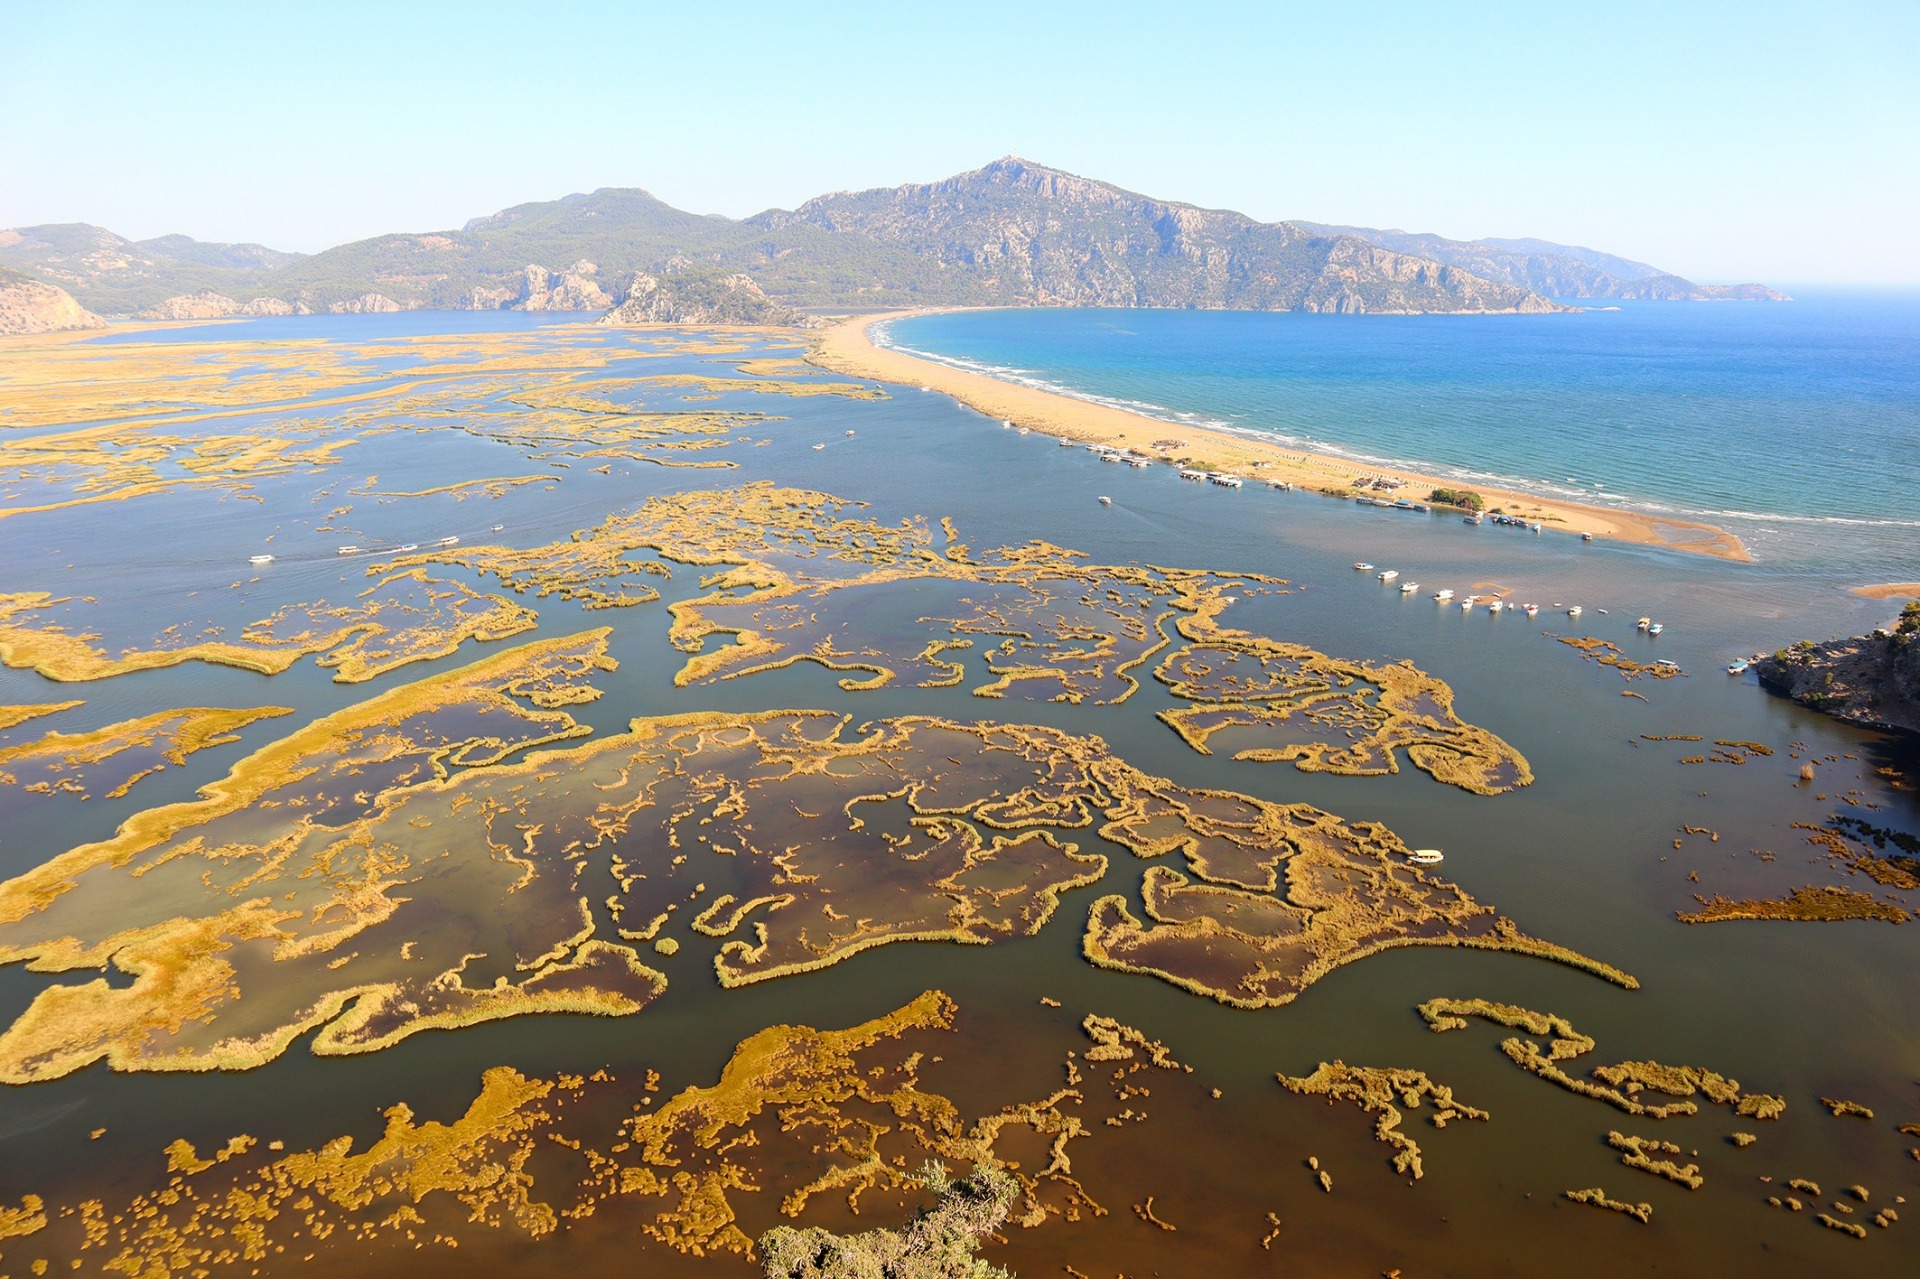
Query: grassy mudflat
[602,794]
[848,348]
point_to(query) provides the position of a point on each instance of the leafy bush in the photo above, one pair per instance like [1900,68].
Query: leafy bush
[1466,499]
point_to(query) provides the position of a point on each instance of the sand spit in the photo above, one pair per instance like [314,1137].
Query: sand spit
[848,348]
[1889,591]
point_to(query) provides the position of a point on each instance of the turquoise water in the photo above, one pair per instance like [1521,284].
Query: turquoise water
[1796,425]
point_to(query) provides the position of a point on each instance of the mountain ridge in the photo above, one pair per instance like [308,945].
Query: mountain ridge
[1010,233]
[1558,270]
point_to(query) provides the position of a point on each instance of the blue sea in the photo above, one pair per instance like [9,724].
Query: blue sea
[1796,425]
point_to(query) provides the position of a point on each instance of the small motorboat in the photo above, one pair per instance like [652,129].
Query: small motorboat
[1408,588]
[1655,629]
[1444,593]
[1139,463]
[411,546]
[498,527]
[1532,610]
[1667,664]
[1495,606]
[1388,574]
[1586,537]
[1470,519]
[1738,667]
[1425,856]
[1643,623]
[260,559]
[1361,566]
[1025,431]
[448,541]
[1105,500]
[1575,611]
[1004,424]
[1067,444]
[348,550]
[818,447]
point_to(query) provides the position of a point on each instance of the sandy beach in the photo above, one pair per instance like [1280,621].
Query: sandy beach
[846,347]
[1889,591]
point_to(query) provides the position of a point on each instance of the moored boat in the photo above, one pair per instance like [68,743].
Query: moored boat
[448,541]
[1408,588]
[1738,666]
[1444,593]
[1388,574]
[260,559]
[1655,629]
[1425,856]
[1575,611]
[1643,623]
[1362,566]
[348,550]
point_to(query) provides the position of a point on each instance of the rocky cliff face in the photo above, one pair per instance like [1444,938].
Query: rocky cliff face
[208,305]
[1871,680]
[29,306]
[365,304]
[1036,235]
[696,299]
[538,289]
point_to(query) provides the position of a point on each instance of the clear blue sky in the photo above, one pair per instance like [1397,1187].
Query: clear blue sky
[1748,140]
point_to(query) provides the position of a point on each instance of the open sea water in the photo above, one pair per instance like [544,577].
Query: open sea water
[1796,425]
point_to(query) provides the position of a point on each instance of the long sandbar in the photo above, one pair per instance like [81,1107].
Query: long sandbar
[847,347]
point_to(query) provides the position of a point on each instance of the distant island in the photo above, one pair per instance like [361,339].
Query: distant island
[1010,234]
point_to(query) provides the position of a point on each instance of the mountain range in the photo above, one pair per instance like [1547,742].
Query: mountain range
[1010,234]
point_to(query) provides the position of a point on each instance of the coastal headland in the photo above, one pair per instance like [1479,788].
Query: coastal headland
[848,347]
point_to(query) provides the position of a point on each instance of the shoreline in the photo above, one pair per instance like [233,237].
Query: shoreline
[846,347]
[1888,591]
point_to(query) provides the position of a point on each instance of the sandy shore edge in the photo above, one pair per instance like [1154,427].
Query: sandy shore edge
[1889,591]
[847,347]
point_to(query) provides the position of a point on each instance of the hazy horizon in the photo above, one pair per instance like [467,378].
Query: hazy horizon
[1722,143]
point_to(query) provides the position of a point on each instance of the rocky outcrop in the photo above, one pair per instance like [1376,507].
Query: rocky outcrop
[698,299]
[572,290]
[275,306]
[206,305]
[1870,680]
[30,306]
[365,304]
